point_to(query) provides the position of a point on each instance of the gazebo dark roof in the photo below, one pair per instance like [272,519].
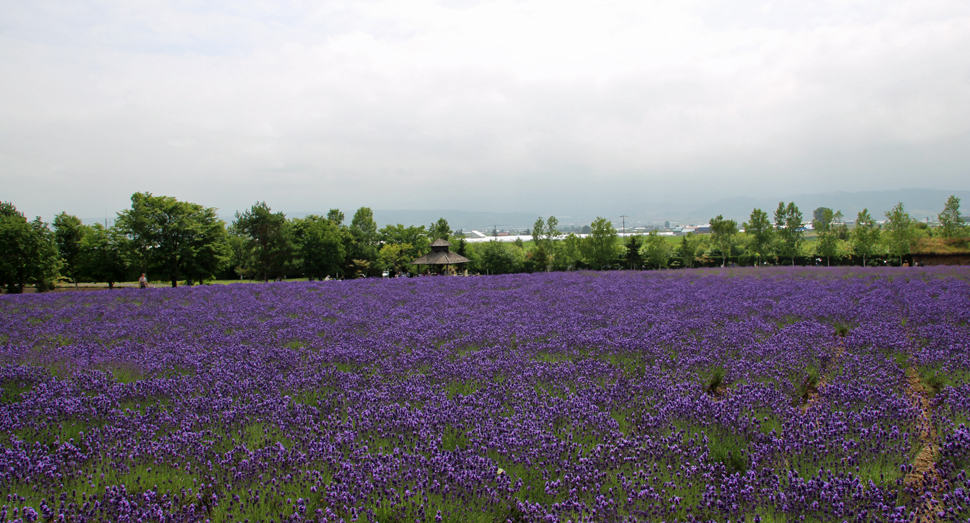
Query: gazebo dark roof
[440,255]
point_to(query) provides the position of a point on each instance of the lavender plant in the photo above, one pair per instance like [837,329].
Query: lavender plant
[543,397]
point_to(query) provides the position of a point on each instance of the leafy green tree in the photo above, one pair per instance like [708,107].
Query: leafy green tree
[68,234]
[951,225]
[28,252]
[828,241]
[865,235]
[177,239]
[788,222]
[899,231]
[104,255]
[240,254]
[599,248]
[538,260]
[544,236]
[722,235]
[322,246]
[336,216]
[569,255]
[439,230]
[208,243]
[820,213]
[839,226]
[415,236]
[363,230]
[761,233]
[396,257]
[359,268]
[495,257]
[414,242]
[656,250]
[270,238]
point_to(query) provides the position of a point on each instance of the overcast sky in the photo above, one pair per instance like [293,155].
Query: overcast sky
[538,106]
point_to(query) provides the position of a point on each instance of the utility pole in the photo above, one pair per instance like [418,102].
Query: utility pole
[624,223]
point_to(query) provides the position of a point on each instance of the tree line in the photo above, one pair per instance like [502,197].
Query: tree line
[175,241]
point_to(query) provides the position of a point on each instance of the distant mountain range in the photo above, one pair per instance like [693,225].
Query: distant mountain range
[919,203]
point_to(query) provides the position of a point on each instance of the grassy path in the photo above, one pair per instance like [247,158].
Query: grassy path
[924,479]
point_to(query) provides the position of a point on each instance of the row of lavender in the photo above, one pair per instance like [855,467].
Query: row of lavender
[545,397]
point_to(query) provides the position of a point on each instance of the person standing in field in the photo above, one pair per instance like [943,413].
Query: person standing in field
[143,282]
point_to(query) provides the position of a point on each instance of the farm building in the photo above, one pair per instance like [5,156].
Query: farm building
[941,251]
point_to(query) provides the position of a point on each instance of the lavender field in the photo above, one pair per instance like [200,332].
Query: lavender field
[771,395]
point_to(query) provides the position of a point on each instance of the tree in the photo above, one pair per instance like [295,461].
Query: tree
[396,257]
[104,255]
[599,248]
[544,235]
[177,239]
[336,217]
[827,243]
[322,246]
[538,230]
[270,239]
[439,230]
[68,234]
[570,254]
[410,243]
[415,236]
[788,222]
[363,230]
[865,235]
[761,233]
[820,213]
[688,248]
[634,258]
[495,257]
[656,250]
[28,252]
[899,231]
[240,253]
[951,225]
[208,244]
[722,235]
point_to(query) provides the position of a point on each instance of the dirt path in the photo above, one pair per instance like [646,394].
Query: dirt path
[837,352]
[924,479]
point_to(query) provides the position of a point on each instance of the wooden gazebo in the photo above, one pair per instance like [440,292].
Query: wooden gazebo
[441,256]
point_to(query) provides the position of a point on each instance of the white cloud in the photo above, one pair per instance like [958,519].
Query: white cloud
[403,104]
